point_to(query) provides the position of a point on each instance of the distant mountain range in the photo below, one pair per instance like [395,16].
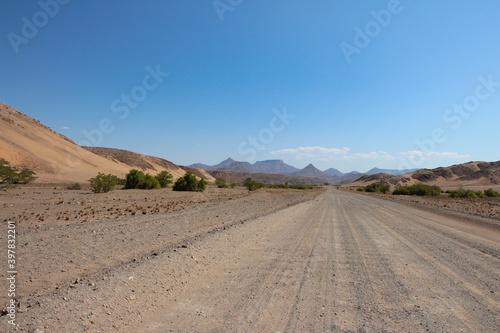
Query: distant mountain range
[331,175]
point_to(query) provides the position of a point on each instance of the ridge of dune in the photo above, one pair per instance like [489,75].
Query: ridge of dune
[27,143]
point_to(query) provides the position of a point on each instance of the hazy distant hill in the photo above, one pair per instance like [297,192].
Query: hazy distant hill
[269,166]
[227,164]
[311,171]
[333,172]
[332,175]
[393,172]
[236,166]
[266,178]
[273,166]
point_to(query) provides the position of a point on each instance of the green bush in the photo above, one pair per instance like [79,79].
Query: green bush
[491,193]
[202,185]
[164,178]
[233,185]
[149,183]
[253,185]
[10,176]
[221,183]
[103,183]
[75,186]
[136,179]
[467,194]
[302,187]
[189,183]
[418,189]
[376,187]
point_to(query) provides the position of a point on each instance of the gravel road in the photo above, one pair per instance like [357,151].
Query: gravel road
[339,262]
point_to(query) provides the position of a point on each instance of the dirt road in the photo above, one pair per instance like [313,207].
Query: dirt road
[341,262]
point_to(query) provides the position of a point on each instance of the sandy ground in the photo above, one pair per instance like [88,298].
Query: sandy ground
[485,207]
[268,261]
[43,204]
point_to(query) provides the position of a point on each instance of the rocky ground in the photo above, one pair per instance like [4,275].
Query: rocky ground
[486,207]
[66,237]
[263,261]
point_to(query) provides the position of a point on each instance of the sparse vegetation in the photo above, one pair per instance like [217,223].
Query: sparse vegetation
[491,193]
[136,179]
[149,183]
[418,189]
[74,186]
[164,178]
[10,176]
[253,185]
[465,193]
[221,183]
[286,185]
[202,185]
[376,187]
[103,183]
[233,185]
[189,183]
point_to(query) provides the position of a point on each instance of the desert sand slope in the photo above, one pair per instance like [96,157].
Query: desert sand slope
[25,142]
[467,174]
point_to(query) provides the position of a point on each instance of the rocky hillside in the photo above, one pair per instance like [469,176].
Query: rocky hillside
[467,174]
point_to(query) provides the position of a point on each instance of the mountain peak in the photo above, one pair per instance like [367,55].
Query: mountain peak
[333,172]
[311,171]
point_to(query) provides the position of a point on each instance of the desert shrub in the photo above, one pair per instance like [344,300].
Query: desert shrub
[418,189]
[221,183]
[189,183]
[202,185]
[121,181]
[302,187]
[361,189]
[467,194]
[164,178]
[103,183]
[491,193]
[149,183]
[233,185]
[134,179]
[25,176]
[253,185]
[376,187]
[10,176]
[75,186]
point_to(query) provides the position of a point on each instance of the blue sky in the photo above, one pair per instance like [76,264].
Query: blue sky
[344,84]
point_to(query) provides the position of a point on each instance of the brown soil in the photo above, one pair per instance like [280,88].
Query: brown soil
[266,261]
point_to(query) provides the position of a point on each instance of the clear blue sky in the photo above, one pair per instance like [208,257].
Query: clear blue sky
[367,82]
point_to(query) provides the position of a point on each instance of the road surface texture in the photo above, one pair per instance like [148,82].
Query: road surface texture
[340,262]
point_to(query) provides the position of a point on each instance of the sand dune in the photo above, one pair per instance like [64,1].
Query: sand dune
[26,142]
